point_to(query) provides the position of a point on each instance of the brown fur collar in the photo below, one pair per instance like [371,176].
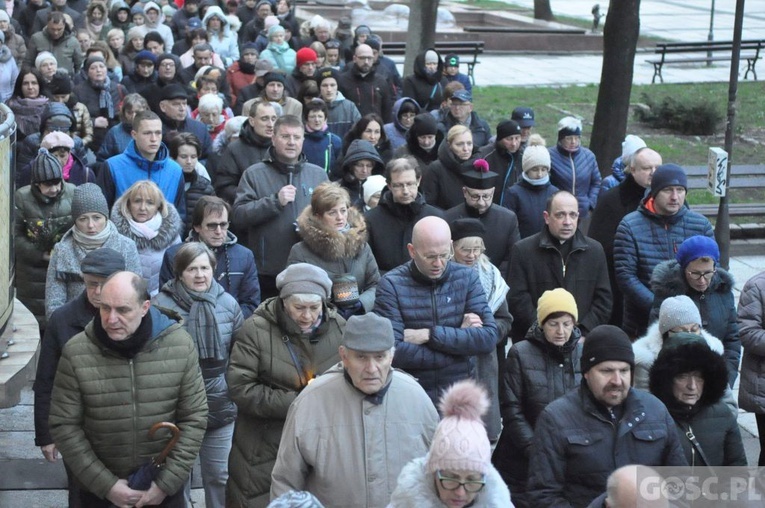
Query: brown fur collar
[328,243]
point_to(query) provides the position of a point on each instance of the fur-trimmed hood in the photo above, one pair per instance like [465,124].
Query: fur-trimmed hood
[331,244]
[171,228]
[684,358]
[416,489]
[648,347]
[668,280]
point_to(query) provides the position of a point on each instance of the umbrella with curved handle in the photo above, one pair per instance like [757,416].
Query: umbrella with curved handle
[141,479]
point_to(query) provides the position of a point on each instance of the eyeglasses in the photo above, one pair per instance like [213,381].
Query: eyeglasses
[443,258]
[699,275]
[167,65]
[454,484]
[402,186]
[481,197]
[476,251]
[213,226]
[94,284]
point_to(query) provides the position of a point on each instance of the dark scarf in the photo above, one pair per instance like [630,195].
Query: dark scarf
[246,68]
[375,398]
[201,325]
[105,102]
[129,347]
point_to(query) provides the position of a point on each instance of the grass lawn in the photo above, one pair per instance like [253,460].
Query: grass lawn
[495,103]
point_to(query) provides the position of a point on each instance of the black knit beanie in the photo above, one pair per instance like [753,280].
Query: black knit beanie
[606,343]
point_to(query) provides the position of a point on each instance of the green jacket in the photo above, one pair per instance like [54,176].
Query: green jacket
[103,406]
[263,380]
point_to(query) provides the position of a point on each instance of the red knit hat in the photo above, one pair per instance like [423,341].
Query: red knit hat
[305,55]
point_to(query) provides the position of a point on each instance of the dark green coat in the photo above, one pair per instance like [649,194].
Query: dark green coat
[35,212]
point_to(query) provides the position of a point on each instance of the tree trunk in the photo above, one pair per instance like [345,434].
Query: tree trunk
[620,36]
[543,11]
[422,30]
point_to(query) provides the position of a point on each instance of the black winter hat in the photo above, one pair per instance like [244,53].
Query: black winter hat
[606,343]
[668,175]
[46,167]
[60,84]
[325,73]
[463,228]
[424,124]
[274,76]
[507,128]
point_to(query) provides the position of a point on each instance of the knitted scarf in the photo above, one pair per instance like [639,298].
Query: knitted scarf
[201,325]
[105,102]
[148,229]
[93,242]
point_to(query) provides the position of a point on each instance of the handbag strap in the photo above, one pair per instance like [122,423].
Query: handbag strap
[295,360]
[695,442]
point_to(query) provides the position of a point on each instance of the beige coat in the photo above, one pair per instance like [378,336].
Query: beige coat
[345,449]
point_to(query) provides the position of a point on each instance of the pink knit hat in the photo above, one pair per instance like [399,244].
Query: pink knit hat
[460,441]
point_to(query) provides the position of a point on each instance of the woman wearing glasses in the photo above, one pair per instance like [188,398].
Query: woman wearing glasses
[694,273]
[457,472]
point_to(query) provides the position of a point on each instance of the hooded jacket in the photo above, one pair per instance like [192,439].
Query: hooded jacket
[394,131]
[66,50]
[709,419]
[223,43]
[117,6]
[36,212]
[509,167]
[426,89]
[160,26]
[235,271]
[271,362]
[390,225]
[251,148]
[416,488]
[423,125]
[271,225]
[643,240]
[123,170]
[104,405]
[338,253]
[342,115]
[716,306]
[281,56]
[9,71]
[537,373]
[15,43]
[323,148]
[578,173]
[359,150]
[28,148]
[151,251]
[442,181]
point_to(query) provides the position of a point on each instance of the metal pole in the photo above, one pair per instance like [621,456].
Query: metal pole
[722,226]
[711,34]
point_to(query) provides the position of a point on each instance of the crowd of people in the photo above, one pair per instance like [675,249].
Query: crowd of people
[343,286]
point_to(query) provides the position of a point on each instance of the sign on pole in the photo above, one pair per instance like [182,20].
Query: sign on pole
[718,167]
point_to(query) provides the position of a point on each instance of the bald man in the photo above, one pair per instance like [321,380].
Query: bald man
[134,365]
[622,489]
[438,309]
[360,84]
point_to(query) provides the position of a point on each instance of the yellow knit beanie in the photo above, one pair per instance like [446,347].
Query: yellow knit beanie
[556,300]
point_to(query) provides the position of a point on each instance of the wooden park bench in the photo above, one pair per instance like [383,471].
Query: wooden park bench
[468,52]
[742,177]
[714,51]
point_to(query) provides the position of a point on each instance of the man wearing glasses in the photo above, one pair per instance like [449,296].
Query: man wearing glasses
[235,268]
[438,309]
[390,224]
[559,256]
[361,85]
[478,190]
[652,234]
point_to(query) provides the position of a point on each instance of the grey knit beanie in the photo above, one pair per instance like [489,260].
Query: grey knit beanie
[46,167]
[677,311]
[88,198]
[303,278]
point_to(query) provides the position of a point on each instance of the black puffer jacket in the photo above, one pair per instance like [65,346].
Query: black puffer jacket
[389,226]
[537,373]
[196,186]
[710,419]
[442,181]
[239,155]
[716,306]
[426,89]
[509,167]
[359,150]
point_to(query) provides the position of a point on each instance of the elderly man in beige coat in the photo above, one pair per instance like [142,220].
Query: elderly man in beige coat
[352,430]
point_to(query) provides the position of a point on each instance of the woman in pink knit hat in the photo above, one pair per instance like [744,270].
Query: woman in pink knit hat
[457,472]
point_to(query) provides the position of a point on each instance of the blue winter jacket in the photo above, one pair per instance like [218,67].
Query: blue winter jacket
[411,300]
[115,142]
[616,177]
[235,271]
[322,148]
[576,172]
[462,78]
[123,170]
[643,240]
[396,132]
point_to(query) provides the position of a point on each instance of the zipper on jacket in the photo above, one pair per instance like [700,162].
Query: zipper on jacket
[135,411]
[573,174]
[434,305]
